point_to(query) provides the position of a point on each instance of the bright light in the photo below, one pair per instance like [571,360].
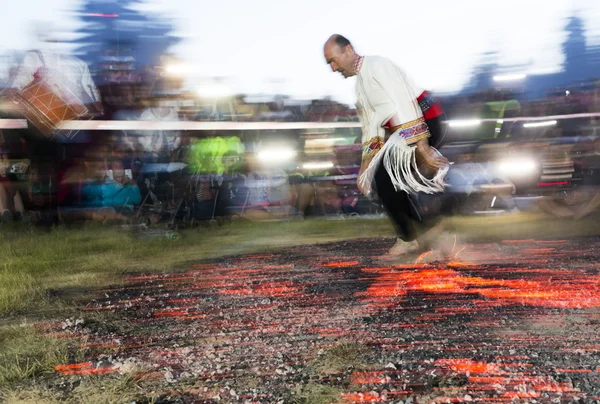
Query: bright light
[276,155]
[567,93]
[464,123]
[332,140]
[317,165]
[539,124]
[323,142]
[214,91]
[177,69]
[517,166]
[510,77]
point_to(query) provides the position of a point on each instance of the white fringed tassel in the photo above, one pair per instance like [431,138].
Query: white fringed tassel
[400,161]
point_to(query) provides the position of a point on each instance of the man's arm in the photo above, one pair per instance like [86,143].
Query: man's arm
[369,149]
[366,160]
[31,63]
[403,94]
[90,88]
[428,156]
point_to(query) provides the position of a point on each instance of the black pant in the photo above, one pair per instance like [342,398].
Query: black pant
[437,130]
[412,214]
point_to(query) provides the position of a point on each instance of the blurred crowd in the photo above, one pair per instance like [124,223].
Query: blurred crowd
[181,178]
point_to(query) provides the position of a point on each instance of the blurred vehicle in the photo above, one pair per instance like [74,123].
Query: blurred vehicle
[479,177]
[551,164]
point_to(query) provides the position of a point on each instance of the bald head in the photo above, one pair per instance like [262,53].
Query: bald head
[340,55]
[339,40]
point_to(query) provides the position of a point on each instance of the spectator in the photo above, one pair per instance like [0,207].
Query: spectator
[11,203]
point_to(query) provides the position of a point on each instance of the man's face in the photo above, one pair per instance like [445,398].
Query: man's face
[340,59]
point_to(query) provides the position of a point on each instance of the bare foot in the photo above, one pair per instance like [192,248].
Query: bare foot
[445,248]
[404,247]
[399,249]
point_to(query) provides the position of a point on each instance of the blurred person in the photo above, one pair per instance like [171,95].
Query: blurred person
[120,190]
[268,191]
[303,194]
[98,188]
[243,111]
[69,73]
[11,203]
[69,93]
[390,102]
[38,193]
[158,145]
[348,160]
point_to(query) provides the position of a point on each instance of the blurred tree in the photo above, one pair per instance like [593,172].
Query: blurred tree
[575,50]
[482,75]
[116,36]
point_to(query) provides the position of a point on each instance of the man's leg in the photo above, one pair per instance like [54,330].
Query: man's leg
[433,234]
[398,207]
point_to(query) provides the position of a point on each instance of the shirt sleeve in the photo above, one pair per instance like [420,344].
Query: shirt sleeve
[402,94]
[31,63]
[370,143]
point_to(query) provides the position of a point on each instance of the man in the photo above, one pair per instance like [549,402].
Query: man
[69,73]
[397,157]
[69,78]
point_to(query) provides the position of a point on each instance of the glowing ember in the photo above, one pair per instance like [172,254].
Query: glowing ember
[517,322]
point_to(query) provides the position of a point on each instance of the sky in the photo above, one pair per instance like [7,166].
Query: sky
[266,46]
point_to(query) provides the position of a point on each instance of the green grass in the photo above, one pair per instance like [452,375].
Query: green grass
[340,358]
[91,390]
[336,362]
[66,262]
[314,393]
[25,353]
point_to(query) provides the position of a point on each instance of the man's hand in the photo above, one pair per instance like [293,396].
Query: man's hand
[98,108]
[365,163]
[434,160]
[360,187]
[428,157]
[95,110]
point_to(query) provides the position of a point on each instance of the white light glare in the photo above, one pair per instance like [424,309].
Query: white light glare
[276,155]
[517,166]
[317,165]
[510,77]
[464,123]
[177,69]
[214,91]
[539,124]
[331,140]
